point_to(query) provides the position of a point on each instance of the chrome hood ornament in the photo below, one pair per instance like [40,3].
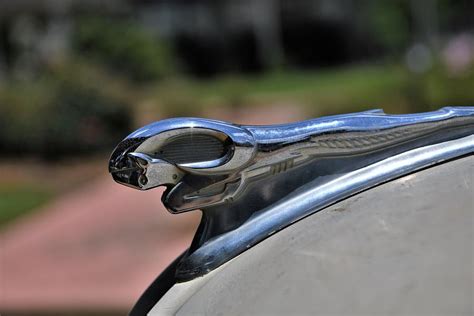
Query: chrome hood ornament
[251,181]
[206,163]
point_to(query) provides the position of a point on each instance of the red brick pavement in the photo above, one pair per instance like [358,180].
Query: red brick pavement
[98,247]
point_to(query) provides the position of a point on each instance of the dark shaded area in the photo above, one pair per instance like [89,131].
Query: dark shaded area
[5,44]
[310,44]
[156,290]
[199,54]
[206,56]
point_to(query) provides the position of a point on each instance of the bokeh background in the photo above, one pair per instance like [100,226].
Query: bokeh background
[76,76]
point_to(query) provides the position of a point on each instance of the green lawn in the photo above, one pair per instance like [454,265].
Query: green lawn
[18,200]
[348,89]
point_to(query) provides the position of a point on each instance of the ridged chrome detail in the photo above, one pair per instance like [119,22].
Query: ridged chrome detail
[192,148]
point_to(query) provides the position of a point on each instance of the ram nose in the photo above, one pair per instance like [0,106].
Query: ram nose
[125,170]
[140,171]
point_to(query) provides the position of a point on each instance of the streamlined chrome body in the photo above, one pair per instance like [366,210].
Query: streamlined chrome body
[207,163]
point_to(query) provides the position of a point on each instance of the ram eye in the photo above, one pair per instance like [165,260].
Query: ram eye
[194,148]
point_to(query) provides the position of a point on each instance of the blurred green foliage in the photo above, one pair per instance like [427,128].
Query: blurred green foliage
[123,47]
[17,200]
[60,115]
[388,22]
[390,87]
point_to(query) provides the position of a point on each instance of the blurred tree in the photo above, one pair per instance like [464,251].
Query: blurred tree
[455,16]
[56,117]
[389,22]
[124,47]
[425,18]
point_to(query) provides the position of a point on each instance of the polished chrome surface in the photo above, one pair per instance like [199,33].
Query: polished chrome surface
[251,154]
[311,198]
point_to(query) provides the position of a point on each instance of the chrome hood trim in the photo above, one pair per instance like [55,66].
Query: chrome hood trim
[312,198]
